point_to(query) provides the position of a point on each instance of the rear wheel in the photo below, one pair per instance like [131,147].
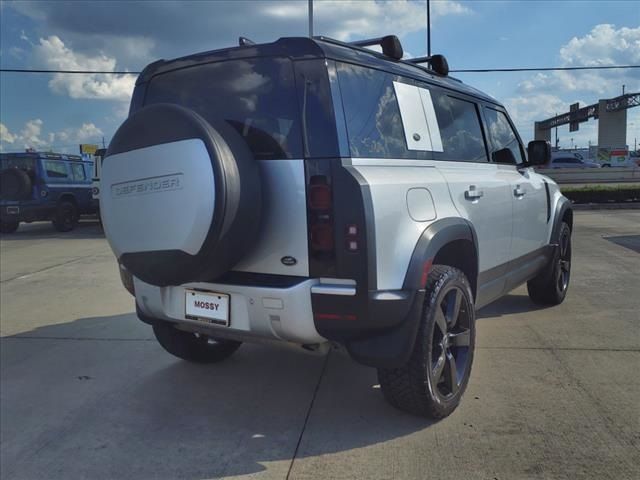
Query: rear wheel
[550,286]
[193,347]
[66,217]
[9,226]
[434,379]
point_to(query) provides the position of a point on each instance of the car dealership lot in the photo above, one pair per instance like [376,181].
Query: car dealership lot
[86,392]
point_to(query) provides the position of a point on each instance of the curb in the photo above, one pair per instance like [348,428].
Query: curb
[607,206]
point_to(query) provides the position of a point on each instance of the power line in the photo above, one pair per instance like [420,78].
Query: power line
[462,70]
[540,69]
[82,72]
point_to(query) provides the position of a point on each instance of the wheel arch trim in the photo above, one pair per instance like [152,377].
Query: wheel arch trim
[563,206]
[433,240]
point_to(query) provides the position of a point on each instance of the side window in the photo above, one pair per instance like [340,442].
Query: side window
[56,170]
[502,137]
[460,129]
[372,114]
[77,172]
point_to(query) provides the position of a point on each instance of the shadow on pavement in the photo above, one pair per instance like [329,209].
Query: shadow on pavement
[99,398]
[508,305]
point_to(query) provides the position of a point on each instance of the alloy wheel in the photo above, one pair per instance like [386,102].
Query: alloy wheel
[450,343]
[564,261]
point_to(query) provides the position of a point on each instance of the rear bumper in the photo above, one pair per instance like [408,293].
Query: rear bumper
[378,329]
[255,312]
[25,213]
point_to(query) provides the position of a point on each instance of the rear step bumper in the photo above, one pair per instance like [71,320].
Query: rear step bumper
[377,329]
[256,312]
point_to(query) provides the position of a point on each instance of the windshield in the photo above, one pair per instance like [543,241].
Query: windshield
[256,96]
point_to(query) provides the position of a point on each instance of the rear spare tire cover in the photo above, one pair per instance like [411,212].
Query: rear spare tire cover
[180,196]
[15,184]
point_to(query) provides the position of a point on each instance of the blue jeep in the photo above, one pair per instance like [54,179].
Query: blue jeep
[44,186]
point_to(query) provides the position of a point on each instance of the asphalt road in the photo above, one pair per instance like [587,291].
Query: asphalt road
[86,392]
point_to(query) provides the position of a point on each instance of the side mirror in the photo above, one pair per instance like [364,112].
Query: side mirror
[539,152]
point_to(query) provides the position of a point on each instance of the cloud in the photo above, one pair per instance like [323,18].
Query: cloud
[57,56]
[143,31]
[32,135]
[604,45]
[5,135]
[544,94]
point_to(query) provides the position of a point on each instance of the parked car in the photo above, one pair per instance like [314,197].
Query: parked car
[571,161]
[44,186]
[312,193]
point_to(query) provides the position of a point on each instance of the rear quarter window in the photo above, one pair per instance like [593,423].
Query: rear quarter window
[256,96]
[372,114]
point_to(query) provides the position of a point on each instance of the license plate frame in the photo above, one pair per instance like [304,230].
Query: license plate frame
[13,210]
[199,306]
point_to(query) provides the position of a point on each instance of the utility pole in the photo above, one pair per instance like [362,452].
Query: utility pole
[310,18]
[557,140]
[428,28]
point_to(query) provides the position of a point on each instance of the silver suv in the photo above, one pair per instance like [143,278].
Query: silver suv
[314,193]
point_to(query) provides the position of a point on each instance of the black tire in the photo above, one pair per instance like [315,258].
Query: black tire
[551,285]
[9,226]
[432,382]
[15,184]
[66,216]
[193,347]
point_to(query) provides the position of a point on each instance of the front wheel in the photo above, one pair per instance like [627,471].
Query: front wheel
[66,217]
[551,285]
[193,347]
[9,226]
[432,382]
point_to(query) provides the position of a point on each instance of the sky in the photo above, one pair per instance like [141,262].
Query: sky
[57,111]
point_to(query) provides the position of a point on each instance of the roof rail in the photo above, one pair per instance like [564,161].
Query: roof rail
[390,44]
[438,63]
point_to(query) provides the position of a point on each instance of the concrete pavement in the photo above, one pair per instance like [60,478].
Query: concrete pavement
[86,392]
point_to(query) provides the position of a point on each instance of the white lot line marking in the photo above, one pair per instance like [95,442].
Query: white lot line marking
[47,268]
[306,418]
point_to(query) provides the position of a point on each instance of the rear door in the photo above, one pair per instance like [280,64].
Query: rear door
[257,96]
[527,188]
[479,189]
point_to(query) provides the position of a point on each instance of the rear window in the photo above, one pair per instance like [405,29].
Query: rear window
[256,96]
[23,163]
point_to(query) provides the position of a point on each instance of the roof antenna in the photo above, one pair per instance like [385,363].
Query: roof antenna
[310,18]
[244,41]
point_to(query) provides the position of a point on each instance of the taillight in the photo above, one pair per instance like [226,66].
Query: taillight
[351,238]
[320,216]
